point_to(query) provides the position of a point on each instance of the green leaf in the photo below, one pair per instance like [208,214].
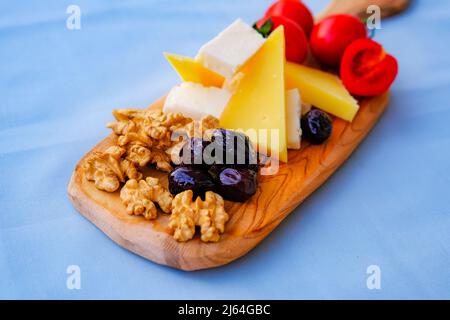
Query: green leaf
[265,29]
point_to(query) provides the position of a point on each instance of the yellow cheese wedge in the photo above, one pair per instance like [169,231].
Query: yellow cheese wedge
[321,89]
[191,70]
[258,102]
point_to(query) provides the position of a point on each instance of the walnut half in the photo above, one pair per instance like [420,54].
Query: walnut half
[107,169]
[209,214]
[140,197]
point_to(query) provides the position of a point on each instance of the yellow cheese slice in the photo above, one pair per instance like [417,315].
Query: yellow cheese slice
[258,102]
[191,70]
[321,89]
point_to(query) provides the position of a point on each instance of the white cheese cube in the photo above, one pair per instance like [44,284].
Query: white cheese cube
[230,49]
[293,116]
[196,101]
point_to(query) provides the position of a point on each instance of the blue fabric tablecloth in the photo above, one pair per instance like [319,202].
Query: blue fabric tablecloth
[388,206]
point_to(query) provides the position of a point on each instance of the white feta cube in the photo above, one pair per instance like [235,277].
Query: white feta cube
[230,49]
[196,101]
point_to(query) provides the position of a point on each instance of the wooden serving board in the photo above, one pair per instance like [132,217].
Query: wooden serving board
[249,223]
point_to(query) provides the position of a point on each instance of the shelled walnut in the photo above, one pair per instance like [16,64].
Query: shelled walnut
[147,134]
[107,169]
[183,218]
[140,197]
[150,127]
[209,214]
[138,154]
[141,155]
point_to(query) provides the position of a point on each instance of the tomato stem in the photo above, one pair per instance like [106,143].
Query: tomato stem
[265,29]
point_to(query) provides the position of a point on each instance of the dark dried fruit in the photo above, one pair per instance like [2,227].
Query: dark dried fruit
[237,184]
[316,126]
[228,166]
[190,178]
[194,150]
[234,148]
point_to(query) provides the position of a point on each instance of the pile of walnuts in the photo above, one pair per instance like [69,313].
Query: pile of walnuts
[147,137]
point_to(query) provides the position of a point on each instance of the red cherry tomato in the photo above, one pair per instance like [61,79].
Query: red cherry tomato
[295,38]
[366,69]
[294,10]
[332,35]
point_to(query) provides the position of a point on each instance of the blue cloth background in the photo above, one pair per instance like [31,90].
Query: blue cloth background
[389,205]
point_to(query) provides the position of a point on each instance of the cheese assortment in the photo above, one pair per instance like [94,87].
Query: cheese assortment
[245,81]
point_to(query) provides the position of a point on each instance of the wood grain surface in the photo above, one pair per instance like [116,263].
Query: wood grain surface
[359,7]
[249,223]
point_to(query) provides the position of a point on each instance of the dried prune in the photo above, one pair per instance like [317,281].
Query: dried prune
[190,178]
[234,148]
[237,184]
[316,126]
[192,153]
